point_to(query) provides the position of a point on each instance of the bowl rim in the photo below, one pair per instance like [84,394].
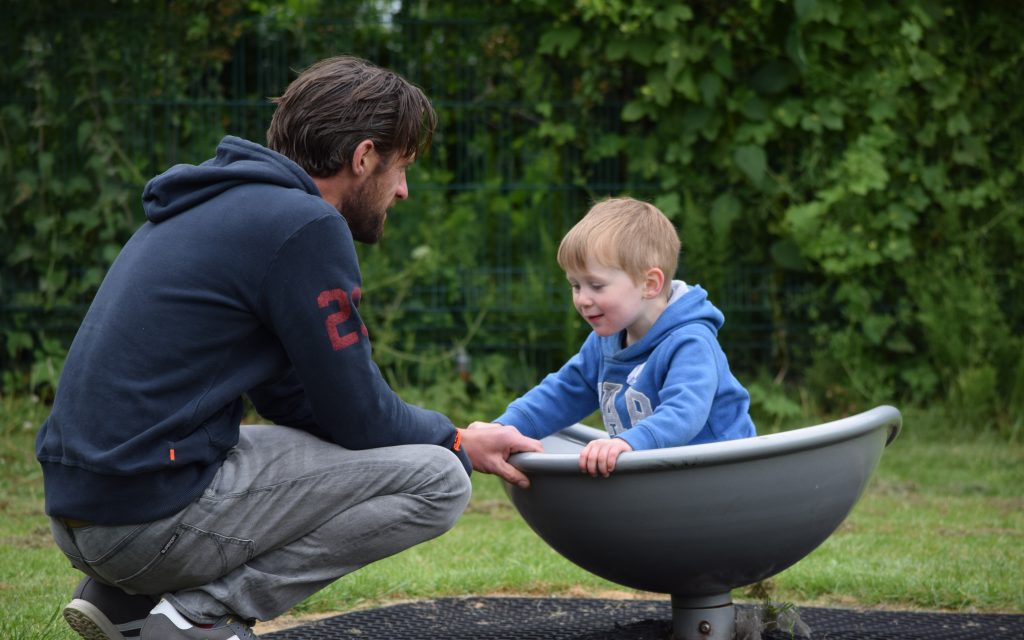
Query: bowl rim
[715,453]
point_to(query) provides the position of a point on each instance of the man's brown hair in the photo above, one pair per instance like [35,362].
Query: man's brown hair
[337,103]
[623,233]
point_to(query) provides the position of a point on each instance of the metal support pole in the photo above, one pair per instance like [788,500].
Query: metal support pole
[703,618]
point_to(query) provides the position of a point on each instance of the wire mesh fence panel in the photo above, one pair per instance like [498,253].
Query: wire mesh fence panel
[468,260]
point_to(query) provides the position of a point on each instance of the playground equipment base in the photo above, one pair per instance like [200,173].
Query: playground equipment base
[476,618]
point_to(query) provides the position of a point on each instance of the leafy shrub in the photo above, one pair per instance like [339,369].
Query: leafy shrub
[863,159]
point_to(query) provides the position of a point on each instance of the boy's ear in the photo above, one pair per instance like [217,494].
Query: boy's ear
[654,282]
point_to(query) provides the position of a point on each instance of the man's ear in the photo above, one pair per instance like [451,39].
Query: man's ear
[654,282]
[364,158]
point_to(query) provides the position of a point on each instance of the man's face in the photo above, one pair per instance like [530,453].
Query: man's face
[366,207]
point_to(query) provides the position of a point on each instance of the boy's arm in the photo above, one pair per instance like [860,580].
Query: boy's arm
[685,398]
[562,398]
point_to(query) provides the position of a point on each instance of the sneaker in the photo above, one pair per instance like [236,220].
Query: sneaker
[101,612]
[165,623]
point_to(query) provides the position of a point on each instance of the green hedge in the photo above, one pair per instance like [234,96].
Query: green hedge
[847,177]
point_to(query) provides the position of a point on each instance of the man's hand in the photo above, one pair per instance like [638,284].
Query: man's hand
[599,456]
[489,445]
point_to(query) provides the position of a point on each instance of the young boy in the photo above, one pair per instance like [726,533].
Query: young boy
[653,364]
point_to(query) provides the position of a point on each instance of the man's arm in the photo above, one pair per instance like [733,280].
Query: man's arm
[310,298]
[489,446]
[284,401]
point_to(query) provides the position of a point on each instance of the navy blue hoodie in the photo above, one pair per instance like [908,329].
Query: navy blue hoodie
[244,281]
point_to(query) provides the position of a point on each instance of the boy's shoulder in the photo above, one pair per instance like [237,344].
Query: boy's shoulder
[687,334]
[689,305]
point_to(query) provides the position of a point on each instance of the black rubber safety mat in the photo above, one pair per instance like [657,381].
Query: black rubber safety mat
[596,619]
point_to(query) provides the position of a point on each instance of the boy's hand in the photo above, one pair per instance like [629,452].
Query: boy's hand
[599,456]
[489,445]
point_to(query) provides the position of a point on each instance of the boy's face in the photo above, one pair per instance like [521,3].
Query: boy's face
[610,301]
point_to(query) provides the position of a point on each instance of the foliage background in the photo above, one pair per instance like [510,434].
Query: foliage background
[847,177]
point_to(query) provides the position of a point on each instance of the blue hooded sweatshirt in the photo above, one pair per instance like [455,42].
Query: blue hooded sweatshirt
[243,282]
[670,388]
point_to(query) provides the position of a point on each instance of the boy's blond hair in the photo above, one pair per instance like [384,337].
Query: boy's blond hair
[623,233]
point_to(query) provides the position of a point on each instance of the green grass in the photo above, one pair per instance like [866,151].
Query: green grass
[941,526]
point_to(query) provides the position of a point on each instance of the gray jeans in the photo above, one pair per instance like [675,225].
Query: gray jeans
[286,515]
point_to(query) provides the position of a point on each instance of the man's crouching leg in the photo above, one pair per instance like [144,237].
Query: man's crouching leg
[286,515]
[341,511]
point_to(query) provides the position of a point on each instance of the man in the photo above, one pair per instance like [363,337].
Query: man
[244,282]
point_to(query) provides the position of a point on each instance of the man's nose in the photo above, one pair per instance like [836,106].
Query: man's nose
[402,192]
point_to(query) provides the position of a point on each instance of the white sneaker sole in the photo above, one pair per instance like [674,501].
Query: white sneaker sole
[89,622]
[92,624]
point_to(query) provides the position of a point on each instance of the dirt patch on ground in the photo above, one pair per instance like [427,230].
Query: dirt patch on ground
[287,622]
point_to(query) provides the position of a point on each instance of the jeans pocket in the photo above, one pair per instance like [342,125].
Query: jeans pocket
[188,557]
[89,548]
[66,543]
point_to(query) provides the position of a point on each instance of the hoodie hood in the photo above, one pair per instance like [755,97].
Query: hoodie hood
[237,162]
[688,305]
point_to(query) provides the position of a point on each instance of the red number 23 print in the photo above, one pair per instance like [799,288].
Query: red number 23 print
[325,299]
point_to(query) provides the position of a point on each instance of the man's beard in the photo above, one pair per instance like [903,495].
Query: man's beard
[365,212]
